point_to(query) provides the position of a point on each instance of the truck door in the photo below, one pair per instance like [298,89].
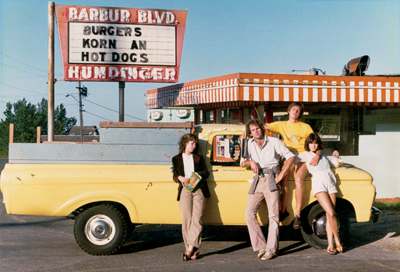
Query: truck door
[228,182]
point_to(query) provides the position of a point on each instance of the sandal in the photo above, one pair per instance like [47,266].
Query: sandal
[187,255]
[339,248]
[296,223]
[195,256]
[331,251]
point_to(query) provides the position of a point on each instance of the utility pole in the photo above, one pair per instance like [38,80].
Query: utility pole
[50,74]
[80,110]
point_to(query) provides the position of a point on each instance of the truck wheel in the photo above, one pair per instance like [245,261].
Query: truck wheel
[313,227]
[100,230]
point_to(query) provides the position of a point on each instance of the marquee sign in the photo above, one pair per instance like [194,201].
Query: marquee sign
[120,44]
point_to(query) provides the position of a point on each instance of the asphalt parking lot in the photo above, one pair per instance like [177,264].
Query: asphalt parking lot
[38,243]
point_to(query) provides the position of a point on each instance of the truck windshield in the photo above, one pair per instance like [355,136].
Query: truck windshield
[226,150]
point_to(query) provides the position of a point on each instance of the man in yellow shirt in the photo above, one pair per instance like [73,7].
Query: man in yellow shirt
[294,134]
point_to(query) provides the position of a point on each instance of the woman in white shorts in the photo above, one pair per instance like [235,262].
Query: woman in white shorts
[324,187]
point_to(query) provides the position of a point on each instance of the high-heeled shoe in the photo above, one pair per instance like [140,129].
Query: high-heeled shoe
[187,255]
[195,255]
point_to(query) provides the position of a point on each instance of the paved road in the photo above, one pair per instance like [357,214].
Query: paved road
[37,243]
[2,163]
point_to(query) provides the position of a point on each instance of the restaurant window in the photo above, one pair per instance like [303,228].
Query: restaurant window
[228,116]
[208,117]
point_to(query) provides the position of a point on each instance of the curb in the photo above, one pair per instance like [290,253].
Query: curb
[386,200]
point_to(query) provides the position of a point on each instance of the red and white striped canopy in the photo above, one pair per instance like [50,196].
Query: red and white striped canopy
[243,88]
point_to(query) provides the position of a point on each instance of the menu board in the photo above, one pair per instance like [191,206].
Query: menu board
[327,126]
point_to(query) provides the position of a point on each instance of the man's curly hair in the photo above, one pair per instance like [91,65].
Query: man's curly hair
[254,122]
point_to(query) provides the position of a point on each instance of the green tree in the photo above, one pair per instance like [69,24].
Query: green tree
[26,117]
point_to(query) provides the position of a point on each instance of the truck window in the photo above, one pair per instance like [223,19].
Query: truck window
[226,150]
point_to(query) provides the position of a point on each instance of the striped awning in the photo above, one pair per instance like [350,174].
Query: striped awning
[242,88]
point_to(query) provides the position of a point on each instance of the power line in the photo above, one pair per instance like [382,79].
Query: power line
[22,70]
[20,88]
[24,63]
[98,116]
[36,69]
[114,110]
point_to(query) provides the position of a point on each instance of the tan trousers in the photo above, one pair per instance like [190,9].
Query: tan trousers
[257,238]
[192,205]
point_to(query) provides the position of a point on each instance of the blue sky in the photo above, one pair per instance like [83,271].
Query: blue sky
[221,37]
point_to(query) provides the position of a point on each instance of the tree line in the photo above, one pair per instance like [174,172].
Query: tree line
[26,117]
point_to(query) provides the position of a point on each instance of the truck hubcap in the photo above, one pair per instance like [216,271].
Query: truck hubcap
[319,226]
[100,229]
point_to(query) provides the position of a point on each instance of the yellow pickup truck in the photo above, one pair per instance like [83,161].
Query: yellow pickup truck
[124,180]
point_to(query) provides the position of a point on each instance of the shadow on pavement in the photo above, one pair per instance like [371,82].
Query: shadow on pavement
[365,233]
[45,222]
[148,237]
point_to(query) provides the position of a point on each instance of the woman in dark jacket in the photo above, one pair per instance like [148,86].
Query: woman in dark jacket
[191,203]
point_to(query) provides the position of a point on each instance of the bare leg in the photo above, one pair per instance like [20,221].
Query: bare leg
[328,204]
[284,194]
[335,234]
[285,188]
[301,173]
[329,233]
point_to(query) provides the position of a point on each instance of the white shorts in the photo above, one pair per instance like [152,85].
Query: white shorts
[324,182]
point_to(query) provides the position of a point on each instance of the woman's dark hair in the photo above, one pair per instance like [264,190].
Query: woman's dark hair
[311,138]
[254,122]
[297,104]
[185,139]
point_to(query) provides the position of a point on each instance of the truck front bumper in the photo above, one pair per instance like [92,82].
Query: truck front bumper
[375,213]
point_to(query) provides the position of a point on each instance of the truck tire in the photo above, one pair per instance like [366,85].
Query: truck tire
[313,226]
[100,230]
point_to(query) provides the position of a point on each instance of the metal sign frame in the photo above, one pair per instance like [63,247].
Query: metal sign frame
[120,44]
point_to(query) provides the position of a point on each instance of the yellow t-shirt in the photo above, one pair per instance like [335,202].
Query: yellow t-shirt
[293,134]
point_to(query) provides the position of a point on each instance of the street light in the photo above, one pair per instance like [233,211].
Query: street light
[67,95]
[80,112]
[314,71]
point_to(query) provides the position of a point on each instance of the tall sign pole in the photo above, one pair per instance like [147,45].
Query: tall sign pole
[50,80]
[121,100]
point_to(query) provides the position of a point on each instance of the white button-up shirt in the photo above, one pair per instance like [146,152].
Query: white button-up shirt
[269,154]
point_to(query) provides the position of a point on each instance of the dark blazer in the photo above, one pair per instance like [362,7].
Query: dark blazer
[200,167]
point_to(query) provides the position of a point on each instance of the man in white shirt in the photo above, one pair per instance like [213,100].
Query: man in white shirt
[263,159]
